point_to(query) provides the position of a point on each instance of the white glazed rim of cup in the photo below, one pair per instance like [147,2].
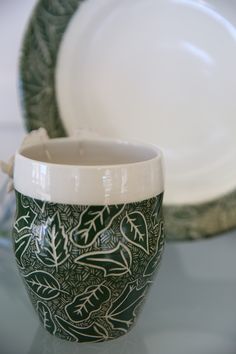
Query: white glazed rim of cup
[101,171]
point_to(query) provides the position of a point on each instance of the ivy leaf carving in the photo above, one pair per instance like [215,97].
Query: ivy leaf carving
[114,262]
[157,208]
[134,228]
[52,245]
[121,313]
[25,221]
[43,284]
[89,301]
[46,317]
[156,258]
[152,264]
[21,245]
[39,205]
[92,333]
[94,220]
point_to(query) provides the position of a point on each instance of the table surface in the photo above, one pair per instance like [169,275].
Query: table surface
[191,308]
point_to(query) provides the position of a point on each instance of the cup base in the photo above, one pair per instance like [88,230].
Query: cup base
[69,338]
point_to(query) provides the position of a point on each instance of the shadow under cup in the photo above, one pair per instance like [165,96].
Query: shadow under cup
[88,234]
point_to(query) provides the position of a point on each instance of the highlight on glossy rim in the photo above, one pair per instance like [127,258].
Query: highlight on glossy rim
[89,171]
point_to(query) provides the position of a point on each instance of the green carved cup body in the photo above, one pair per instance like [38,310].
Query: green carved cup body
[87,269]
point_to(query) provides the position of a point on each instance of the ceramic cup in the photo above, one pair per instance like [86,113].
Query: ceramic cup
[88,233]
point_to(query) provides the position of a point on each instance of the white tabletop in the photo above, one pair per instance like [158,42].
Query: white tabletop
[191,308]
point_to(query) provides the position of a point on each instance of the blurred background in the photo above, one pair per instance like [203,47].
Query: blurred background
[13,19]
[14,15]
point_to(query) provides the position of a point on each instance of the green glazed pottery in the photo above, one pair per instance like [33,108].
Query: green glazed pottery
[88,269]
[87,259]
[151,73]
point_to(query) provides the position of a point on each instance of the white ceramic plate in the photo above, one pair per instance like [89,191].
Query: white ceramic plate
[160,71]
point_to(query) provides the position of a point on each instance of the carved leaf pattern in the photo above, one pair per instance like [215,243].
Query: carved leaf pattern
[93,222]
[46,317]
[157,209]
[154,262]
[113,262]
[121,314]
[43,284]
[52,248]
[134,229]
[88,302]
[92,333]
[24,222]
[21,245]
[152,265]
[93,294]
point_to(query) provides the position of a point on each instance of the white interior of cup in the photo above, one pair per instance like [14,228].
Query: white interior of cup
[89,172]
[89,153]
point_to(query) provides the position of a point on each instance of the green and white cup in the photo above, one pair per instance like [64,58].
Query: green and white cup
[88,234]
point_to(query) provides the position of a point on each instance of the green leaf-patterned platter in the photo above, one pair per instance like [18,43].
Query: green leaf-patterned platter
[147,70]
